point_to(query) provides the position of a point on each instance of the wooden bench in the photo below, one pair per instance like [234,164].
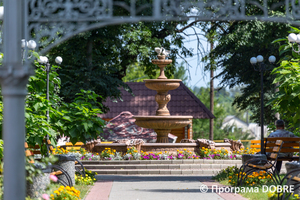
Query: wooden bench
[290,145]
[290,178]
[258,164]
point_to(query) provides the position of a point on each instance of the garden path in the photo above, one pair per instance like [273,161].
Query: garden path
[171,187]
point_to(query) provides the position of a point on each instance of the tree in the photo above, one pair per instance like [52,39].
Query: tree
[223,108]
[98,59]
[135,73]
[236,45]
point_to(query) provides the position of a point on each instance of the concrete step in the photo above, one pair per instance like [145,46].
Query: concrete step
[157,171]
[143,162]
[162,166]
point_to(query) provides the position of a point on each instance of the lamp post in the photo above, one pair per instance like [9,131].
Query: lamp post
[261,68]
[44,60]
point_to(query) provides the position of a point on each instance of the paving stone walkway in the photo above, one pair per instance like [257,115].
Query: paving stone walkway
[171,187]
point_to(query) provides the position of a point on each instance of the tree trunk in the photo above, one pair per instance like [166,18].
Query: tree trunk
[211,121]
[277,115]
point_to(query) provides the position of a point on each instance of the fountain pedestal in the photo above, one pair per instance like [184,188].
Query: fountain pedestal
[162,135]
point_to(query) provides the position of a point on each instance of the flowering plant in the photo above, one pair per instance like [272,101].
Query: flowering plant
[222,153]
[254,179]
[108,153]
[246,151]
[89,178]
[186,155]
[152,156]
[65,193]
[84,180]
[273,195]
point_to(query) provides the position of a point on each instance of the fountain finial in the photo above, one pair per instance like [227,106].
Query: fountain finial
[162,53]
[162,62]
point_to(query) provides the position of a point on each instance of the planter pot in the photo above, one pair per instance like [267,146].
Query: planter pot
[67,162]
[38,186]
[247,157]
[290,166]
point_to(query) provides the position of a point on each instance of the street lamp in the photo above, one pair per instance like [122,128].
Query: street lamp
[31,45]
[44,60]
[293,38]
[262,68]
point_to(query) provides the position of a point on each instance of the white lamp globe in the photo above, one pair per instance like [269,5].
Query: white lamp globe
[41,60]
[298,38]
[292,37]
[58,60]
[23,43]
[31,44]
[45,59]
[260,58]
[272,59]
[1,12]
[253,60]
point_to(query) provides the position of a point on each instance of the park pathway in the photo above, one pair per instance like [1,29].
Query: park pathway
[156,187]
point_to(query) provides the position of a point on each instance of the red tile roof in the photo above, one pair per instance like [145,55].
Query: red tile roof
[183,102]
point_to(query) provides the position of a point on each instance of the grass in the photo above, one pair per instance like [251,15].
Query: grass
[250,195]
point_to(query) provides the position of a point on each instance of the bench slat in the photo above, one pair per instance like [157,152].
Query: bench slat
[284,139]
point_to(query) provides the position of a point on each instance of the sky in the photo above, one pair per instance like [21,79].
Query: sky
[196,71]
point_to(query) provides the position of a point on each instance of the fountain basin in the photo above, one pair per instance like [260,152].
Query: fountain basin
[162,84]
[162,125]
[162,122]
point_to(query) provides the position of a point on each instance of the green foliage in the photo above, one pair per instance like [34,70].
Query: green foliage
[287,99]
[135,73]
[37,126]
[225,173]
[79,120]
[1,149]
[180,73]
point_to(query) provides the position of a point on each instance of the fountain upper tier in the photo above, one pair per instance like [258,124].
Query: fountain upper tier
[162,84]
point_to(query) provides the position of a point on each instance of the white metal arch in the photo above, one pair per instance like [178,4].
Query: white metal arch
[49,18]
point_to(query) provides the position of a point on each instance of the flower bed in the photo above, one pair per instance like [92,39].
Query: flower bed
[133,154]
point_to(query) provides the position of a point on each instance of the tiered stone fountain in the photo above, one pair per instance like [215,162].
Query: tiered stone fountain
[162,122]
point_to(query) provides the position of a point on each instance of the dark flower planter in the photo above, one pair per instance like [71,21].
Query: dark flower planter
[67,162]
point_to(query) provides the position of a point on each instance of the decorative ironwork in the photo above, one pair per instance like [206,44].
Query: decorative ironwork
[53,21]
